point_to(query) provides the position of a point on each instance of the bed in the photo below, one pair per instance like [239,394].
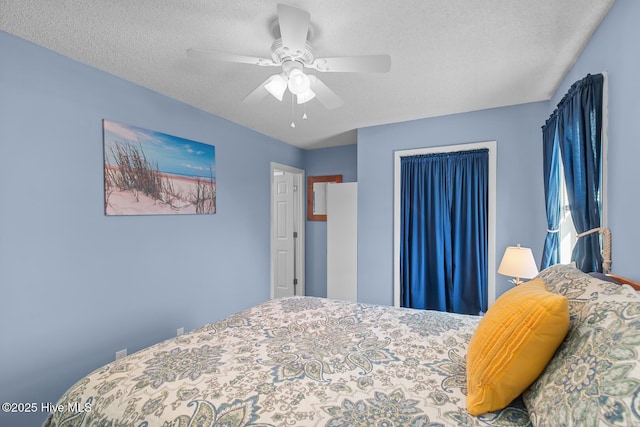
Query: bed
[307,361]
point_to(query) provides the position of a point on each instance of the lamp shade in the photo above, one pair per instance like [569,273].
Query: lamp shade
[518,262]
[276,85]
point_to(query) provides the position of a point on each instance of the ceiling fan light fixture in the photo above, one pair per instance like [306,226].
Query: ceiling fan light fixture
[292,52]
[276,85]
[298,82]
[306,96]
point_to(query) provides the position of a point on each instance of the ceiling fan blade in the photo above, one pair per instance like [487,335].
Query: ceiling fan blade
[257,95]
[353,64]
[229,57]
[294,26]
[326,96]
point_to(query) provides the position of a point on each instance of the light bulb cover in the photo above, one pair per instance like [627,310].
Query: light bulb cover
[305,96]
[298,82]
[276,85]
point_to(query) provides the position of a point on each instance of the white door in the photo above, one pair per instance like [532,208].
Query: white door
[283,253]
[342,241]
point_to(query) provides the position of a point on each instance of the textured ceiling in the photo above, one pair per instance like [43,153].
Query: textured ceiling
[447,56]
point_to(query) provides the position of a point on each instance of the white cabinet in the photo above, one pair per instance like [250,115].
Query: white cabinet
[342,241]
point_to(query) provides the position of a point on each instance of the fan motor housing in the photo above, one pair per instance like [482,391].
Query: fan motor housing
[281,54]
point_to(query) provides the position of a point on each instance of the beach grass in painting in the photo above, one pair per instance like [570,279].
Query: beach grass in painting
[152,173]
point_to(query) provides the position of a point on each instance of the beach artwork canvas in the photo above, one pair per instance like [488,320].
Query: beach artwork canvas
[152,173]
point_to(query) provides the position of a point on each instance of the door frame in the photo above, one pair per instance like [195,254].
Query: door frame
[491,214]
[299,223]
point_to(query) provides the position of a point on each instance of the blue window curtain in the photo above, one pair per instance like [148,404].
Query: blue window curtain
[579,133]
[552,184]
[443,226]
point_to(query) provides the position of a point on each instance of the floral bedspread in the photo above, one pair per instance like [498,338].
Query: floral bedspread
[297,361]
[594,377]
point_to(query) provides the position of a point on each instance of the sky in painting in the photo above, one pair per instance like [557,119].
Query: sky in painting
[174,155]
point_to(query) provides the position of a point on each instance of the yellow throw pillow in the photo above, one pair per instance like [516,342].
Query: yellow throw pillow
[512,345]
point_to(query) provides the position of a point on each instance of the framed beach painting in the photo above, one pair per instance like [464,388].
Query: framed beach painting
[152,173]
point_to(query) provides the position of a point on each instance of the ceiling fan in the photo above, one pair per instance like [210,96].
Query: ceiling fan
[293,53]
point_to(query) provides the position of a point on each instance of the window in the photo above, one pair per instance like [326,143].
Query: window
[568,234]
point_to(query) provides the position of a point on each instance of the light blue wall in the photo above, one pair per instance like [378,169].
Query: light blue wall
[77,286]
[325,161]
[519,199]
[614,49]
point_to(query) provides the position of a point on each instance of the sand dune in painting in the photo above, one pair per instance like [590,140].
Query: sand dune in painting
[172,194]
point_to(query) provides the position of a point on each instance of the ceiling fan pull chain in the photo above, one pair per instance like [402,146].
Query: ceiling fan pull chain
[293,123]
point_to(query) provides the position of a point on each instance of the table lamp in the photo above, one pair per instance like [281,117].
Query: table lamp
[518,262]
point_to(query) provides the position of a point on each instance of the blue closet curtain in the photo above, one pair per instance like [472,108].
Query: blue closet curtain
[443,251]
[552,183]
[579,134]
